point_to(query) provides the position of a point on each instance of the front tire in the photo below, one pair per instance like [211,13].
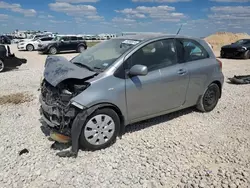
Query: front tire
[30,47]
[2,67]
[100,129]
[81,49]
[247,55]
[53,50]
[209,99]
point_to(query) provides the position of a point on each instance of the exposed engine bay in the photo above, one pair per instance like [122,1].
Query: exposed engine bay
[56,107]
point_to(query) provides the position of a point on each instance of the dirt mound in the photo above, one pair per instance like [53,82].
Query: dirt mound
[222,38]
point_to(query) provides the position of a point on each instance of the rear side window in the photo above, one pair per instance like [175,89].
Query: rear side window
[190,50]
[73,38]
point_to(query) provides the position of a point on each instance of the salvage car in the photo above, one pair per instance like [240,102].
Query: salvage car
[124,80]
[238,49]
[9,60]
[62,43]
[33,44]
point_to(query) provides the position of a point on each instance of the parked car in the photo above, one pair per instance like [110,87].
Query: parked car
[9,60]
[34,37]
[238,49]
[5,40]
[92,97]
[62,43]
[33,44]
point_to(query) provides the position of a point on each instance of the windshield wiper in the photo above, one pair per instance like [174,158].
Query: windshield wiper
[85,66]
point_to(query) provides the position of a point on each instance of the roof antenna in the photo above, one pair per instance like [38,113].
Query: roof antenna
[179,30]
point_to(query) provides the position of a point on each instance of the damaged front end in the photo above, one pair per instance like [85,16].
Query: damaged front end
[57,109]
[62,81]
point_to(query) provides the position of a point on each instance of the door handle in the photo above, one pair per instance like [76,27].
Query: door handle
[182,71]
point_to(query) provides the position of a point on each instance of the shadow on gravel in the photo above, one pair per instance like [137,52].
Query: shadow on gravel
[157,120]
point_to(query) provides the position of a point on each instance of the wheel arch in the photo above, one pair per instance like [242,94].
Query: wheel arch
[217,82]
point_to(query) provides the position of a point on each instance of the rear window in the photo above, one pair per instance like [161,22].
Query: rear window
[80,38]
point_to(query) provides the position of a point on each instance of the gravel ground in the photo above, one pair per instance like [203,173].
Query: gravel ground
[183,149]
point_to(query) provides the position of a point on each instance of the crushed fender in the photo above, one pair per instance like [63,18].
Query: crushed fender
[243,79]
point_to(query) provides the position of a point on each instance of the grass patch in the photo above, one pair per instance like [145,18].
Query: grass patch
[90,44]
[16,98]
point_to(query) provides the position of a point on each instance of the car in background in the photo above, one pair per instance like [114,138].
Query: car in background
[5,39]
[34,44]
[34,37]
[9,60]
[124,80]
[62,43]
[238,49]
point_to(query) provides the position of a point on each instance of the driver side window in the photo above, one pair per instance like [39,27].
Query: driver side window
[156,55]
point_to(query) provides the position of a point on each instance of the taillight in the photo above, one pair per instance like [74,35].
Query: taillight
[220,63]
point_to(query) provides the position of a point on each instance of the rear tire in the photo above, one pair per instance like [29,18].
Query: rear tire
[100,129]
[53,50]
[247,55]
[2,67]
[30,47]
[209,99]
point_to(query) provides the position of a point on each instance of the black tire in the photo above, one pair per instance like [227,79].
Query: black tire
[53,50]
[105,111]
[81,48]
[209,99]
[30,47]
[247,55]
[2,67]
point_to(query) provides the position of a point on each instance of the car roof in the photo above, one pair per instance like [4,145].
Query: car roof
[143,37]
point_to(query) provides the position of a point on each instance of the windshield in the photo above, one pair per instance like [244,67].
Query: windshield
[31,37]
[104,54]
[241,42]
[57,38]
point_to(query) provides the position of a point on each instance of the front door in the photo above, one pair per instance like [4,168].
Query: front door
[64,44]
[163,88]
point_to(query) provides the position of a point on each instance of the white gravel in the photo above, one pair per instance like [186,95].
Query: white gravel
[185,149]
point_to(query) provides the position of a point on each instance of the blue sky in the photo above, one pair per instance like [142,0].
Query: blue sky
[199,17]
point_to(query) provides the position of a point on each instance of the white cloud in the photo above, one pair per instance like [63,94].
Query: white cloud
[3,17]
[58,21]
[45,16]
[123,20]
[160,13]
[161,1]
[78,1]
[231,1]
[17,8]
[88,11]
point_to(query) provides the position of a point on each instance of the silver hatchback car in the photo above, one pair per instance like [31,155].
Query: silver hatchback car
[91,98]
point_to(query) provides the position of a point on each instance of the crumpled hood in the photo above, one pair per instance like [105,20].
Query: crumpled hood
[58,69]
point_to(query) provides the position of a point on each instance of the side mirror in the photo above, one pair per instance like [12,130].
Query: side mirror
[138,70]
